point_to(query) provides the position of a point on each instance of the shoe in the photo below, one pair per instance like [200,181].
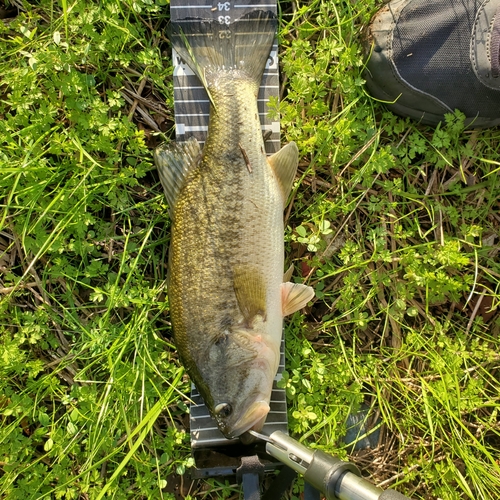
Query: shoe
[431,57]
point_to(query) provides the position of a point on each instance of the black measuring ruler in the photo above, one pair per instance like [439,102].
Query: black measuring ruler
[214,454]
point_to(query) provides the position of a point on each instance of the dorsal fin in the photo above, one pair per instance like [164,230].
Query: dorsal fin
[284,164]
[174,162]
[294,296]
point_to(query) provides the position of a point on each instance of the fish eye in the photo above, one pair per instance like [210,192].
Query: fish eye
[223,410]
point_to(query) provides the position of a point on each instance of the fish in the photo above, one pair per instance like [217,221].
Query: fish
[226,294]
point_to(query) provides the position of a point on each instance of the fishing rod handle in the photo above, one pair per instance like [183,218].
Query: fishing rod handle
[392,495]
[353,487]
[330,475]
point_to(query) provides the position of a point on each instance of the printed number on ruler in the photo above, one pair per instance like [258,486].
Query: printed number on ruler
[180,67]
[224,7]
[272,60]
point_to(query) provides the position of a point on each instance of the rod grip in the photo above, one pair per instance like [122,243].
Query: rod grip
[392,495]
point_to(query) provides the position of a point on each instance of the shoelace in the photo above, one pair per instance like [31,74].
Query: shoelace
[495,45]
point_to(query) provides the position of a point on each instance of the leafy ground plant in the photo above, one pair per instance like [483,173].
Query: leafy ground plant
[395,225]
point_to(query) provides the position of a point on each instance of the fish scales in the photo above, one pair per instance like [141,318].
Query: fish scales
[226,253]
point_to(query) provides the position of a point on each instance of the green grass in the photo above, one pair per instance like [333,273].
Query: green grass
[395,225]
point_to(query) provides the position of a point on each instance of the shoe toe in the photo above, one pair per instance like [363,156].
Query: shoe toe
[423,61]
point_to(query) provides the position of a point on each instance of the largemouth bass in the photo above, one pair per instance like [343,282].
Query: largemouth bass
[226,292]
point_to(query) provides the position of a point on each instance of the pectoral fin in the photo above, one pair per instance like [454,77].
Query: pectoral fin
[284,164]
[174,162]
[250,290]
[294,296]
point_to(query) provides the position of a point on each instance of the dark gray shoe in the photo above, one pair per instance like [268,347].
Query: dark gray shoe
[430,57]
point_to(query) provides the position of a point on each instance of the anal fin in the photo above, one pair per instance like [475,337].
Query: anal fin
[288,273]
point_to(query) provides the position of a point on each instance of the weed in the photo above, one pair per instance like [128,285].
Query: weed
[394,224]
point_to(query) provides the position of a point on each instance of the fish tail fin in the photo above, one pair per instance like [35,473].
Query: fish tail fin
[209,47]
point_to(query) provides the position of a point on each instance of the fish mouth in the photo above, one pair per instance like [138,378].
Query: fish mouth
[252,419]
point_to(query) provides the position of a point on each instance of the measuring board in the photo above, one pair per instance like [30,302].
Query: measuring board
[191,106]
[191,103]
